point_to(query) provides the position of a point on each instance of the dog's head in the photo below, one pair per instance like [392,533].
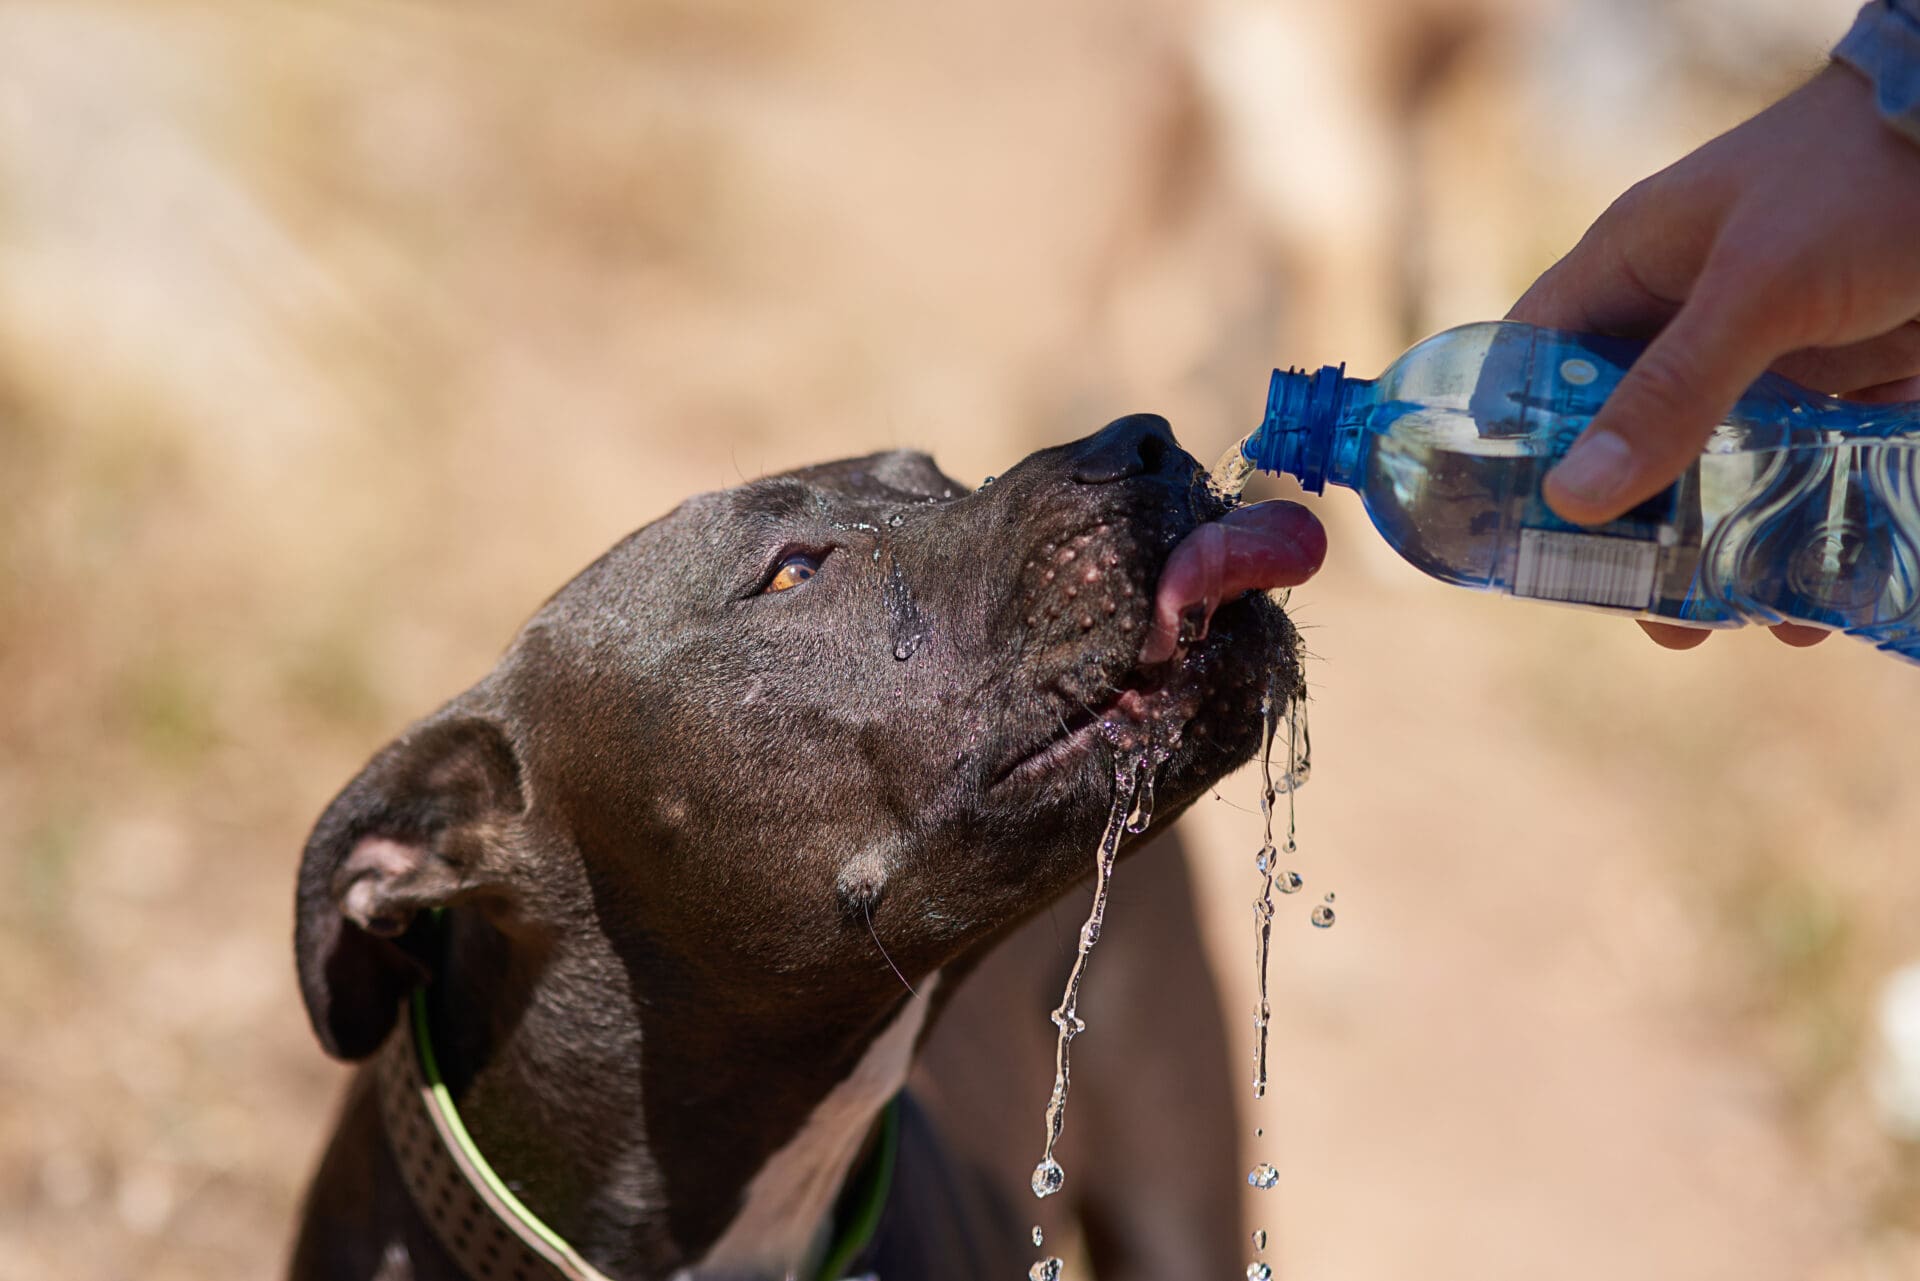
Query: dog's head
[854,704]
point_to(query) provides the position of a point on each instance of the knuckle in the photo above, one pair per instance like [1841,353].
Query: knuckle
[1660,407]
[1662,382]
[1631,203]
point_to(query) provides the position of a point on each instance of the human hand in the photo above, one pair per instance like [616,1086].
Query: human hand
[1792,242]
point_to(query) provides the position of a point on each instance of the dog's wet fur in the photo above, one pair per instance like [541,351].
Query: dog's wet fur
[692,834]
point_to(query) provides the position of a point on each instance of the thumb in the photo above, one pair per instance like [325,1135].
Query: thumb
[1658,419]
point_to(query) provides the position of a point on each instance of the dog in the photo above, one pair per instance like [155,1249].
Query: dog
[639,934]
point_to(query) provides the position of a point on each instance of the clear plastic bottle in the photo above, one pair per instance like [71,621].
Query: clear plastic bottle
[1803,507]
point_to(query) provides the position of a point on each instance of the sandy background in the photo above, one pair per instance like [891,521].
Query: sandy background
[334,335]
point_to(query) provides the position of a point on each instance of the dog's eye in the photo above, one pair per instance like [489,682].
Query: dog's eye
[792,572]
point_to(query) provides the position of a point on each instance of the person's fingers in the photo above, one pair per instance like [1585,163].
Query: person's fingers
[1886,358]
[1586,292]
[1658,419]
[1798,635]
[1627,274]
[1668,636]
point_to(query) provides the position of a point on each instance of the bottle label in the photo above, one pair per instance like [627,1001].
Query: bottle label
[1586,569]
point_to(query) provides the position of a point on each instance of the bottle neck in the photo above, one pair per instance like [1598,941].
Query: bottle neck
[1298,435]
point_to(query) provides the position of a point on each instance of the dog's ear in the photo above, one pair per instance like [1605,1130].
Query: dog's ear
[411,833]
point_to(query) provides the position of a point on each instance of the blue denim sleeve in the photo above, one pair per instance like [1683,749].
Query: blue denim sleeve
[1884,46]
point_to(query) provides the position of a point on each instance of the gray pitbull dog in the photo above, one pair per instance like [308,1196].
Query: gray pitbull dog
[659,910]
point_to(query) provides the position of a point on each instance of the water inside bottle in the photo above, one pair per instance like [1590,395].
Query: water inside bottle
[1801,508]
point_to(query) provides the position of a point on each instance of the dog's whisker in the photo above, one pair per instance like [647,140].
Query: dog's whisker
[867,911]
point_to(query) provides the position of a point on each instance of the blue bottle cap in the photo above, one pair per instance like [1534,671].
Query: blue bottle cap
[1297,436]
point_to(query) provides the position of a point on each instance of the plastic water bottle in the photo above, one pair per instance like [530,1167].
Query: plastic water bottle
[1803,507]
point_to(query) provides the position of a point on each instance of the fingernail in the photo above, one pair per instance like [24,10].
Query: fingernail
[1597,467]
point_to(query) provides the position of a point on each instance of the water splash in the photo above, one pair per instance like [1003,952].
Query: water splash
[1132,776]
[1267,860]
[1230,475]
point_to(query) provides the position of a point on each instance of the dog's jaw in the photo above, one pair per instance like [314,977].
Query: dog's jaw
[784,1209]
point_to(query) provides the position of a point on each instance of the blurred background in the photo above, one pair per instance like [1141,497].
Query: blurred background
[335,335]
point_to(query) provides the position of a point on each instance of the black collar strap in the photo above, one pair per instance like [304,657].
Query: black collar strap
[489,1233]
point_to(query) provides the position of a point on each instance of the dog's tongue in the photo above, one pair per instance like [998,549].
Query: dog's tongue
[1254,548]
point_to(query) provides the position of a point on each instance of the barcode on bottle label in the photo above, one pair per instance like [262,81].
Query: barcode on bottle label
[1585,569]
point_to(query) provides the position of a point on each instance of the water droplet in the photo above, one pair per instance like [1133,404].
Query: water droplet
[1290,882]
[1322,916]
[1259,1133]
[986,482]
[1329,896]
[1039,1237]
[1263,859]
[1259,1238]
[1142,816]
[1044,1270]
[1262,1176]
[1048,1178]
[896,520]
[903,649]
[1259,1272]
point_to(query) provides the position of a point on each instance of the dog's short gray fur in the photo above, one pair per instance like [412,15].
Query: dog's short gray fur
[687,831]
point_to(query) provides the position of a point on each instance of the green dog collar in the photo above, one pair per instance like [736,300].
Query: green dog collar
[489,1232]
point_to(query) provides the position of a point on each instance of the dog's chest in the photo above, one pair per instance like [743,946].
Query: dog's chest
[784,1212]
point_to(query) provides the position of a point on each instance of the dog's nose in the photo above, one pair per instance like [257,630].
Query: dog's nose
[1132,446]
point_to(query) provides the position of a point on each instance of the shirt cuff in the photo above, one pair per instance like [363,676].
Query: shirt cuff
[1884,46]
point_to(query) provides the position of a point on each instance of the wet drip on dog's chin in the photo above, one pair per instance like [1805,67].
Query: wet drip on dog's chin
[1275,708]
[1138,755]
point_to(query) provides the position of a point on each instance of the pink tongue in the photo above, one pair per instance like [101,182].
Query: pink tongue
[1271,544]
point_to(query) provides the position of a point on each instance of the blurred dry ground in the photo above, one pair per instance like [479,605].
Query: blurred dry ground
[333,336]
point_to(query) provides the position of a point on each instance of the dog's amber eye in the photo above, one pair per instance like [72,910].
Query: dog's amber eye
[793,571]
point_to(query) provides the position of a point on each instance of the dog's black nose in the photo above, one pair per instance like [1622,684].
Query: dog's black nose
[1135,445]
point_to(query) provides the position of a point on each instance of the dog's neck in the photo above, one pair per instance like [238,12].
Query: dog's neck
[676,1131]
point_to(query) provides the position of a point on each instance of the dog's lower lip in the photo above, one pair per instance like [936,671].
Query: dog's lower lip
[1076,736]
[1057,751]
